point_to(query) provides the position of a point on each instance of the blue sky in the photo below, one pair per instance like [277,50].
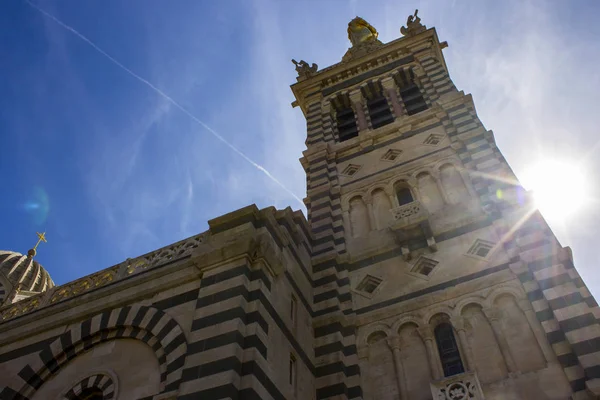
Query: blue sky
[111,170]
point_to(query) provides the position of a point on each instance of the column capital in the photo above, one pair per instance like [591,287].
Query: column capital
[394,342]
[459,323]
[426,333]
[493,313]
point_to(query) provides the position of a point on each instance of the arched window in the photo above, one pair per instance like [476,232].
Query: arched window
[409,92]
[345,120]
[346,124]
[92,393]
[379,111]
[448,349]
[404,196]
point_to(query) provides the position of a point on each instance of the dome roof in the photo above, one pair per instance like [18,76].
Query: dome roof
[23,272]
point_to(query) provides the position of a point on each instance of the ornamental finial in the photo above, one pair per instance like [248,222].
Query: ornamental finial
[41,238]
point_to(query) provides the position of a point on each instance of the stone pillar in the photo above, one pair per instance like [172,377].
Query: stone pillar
[356,98]
[372,220]
[393,200]
[329,123]
[346,220]
[438,181]
[432,354]
[460,325]
[394,343]
[537,330]
[389,86]
[494,315]
[363,359]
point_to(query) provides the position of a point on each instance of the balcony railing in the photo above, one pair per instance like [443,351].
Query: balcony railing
[458,387]
[408,214]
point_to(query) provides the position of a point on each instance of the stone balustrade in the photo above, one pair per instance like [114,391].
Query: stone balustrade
[127,268]
[408,214]
[463,386]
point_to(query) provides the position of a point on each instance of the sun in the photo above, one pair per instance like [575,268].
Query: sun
[558,188]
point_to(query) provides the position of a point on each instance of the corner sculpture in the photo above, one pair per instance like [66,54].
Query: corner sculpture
[304,70]
[413,25]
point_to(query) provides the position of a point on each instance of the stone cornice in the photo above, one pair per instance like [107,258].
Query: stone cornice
[80,306]
[205,250]
[389,52]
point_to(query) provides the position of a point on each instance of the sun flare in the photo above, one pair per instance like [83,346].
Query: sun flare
[558,188]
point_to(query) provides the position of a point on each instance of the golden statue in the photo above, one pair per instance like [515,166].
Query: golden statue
[360,31]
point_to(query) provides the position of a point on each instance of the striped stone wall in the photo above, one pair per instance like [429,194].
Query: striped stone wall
[147,324]
[562,302]
[228,334]
[336,363]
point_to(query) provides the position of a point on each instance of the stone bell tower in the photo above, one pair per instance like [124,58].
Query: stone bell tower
[433,274]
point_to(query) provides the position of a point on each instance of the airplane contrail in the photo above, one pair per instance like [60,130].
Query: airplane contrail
[166,97]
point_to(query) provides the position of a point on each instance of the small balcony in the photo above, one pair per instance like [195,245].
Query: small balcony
[408,215]
[410,221]
[463,386]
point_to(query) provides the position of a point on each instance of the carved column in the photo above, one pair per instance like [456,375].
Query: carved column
[460,325]
[389,87]
[356,98]
[394,343]
[432,354]
[494,315]
[537,330]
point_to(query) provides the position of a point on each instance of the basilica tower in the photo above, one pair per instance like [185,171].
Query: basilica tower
[423,271]
[432,269]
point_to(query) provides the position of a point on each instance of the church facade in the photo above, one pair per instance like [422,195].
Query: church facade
[422,272]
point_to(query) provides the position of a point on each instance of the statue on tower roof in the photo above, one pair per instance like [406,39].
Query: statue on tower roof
[363,37]
[413,25]
[360,31]
[304,70]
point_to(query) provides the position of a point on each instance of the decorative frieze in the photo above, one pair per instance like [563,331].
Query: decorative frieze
[165,255]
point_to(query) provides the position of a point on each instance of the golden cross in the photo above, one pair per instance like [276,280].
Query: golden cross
[41,238]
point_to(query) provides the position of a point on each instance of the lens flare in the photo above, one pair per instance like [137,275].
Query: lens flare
[558,187]
[37,206]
